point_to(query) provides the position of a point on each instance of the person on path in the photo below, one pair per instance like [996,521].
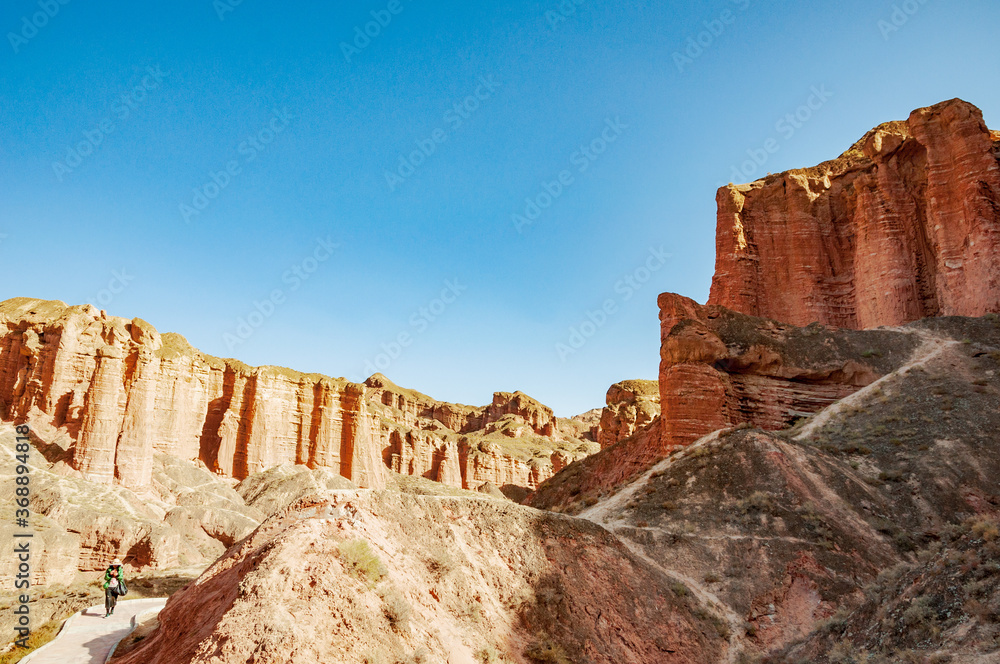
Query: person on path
[113,578]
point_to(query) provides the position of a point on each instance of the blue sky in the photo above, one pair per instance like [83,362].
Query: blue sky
[198,165]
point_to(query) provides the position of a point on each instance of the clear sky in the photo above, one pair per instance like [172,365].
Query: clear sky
[470,182]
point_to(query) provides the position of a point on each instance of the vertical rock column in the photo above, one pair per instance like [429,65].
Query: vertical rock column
[134,456]
[693,393]
[889,261]
[963,206]
[360,461]
[94,454]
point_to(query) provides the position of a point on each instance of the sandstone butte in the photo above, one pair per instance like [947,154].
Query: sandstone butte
[904,225]
[123,391]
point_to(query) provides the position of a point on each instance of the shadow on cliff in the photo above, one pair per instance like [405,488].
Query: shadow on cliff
[60,449]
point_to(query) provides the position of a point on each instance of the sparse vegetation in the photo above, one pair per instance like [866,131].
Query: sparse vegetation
[440,561]
[545,651]
[758,501]
[720,626]
[361,561]
[396,609]
[488,655]
[891,476]
[984,528]
[836,623]
[39,637]
[418,657]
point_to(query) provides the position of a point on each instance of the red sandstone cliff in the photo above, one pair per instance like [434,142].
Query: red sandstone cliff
[904,225]
[123,391]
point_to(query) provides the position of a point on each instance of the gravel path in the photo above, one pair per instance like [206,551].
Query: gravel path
[88,637]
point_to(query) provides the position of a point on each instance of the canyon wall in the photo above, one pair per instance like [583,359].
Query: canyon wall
[904,225]
[123,391]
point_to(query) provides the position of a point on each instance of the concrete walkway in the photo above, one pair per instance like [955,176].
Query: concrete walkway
[88,637]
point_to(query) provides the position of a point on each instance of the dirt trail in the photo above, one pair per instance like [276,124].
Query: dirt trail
[606,513]
[931,348]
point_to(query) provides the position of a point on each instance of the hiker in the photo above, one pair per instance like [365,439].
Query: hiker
[114,579]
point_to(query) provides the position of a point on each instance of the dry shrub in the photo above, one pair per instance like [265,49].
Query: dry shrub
[361,561]
[396,609]
[546,651]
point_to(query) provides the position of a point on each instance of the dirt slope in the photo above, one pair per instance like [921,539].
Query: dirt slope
[354,577]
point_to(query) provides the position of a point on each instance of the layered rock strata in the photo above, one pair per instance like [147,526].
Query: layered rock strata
[904,225]
[719,368]
[123,391]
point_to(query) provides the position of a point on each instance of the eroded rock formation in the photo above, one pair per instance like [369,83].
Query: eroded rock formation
[632,404]
[123,391]
[904,225]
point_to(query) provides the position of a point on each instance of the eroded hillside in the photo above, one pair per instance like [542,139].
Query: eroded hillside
[787,527]
[382,577]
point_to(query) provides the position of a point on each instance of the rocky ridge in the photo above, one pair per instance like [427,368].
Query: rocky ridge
[632,405]
[789,530]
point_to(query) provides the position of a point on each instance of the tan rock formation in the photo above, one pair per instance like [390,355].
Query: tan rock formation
[632,404]
[390,577]
[904,225]
[186,516]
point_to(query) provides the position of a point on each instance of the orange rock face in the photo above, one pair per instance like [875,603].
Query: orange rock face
[904,225]
[124,391]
